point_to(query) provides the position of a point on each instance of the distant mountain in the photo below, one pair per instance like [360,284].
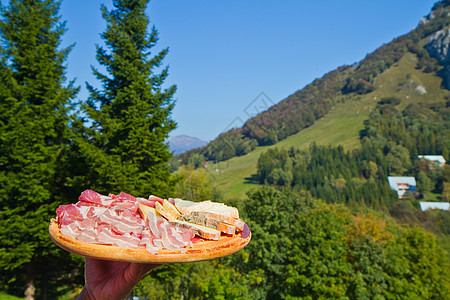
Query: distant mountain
[182,143]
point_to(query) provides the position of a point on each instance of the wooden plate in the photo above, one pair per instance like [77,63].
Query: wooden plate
[202,250]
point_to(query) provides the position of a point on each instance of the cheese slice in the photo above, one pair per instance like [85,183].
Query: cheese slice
[145,210]
[171,209]
[202,231]
[168,214]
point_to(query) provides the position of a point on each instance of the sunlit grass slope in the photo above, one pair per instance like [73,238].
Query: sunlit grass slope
[341,126]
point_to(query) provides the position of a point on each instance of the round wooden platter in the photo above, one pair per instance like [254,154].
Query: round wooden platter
[202,250]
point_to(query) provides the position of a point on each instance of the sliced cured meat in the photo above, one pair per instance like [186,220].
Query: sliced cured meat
[121,224]
[126,205]
[70,230]
[86,223]
[146,201]
[146,238]
[127,240]
[95,198]
[88,235]
[154,198]
[67,214]
[127,196]
[91,197]
[167,241]
[106,236]
[156,224]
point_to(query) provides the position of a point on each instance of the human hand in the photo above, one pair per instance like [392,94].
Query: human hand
[111,280]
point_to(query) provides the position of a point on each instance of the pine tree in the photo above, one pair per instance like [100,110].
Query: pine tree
[131,112]
[34,121]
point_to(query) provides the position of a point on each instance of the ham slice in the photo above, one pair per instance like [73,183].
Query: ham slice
[127,240]
[106,236]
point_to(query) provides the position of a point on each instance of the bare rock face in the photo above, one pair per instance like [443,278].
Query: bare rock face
[428,18]
[438,47]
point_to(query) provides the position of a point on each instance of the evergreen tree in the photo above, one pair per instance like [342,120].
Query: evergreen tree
[34,123]
[131,111]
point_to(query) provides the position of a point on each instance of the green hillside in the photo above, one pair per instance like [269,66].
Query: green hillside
[341,126]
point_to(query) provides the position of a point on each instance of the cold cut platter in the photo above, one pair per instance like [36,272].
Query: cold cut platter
[154,230]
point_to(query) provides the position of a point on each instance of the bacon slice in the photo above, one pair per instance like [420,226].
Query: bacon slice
[127,240]
[106,236]
[146,202]
[88,235]
[147,242]
[70,230]
[156,198]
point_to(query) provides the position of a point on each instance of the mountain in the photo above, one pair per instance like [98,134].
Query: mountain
[427,44]
[334,109]
[181,143]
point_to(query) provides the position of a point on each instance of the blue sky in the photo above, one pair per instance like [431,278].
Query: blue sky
[224,54]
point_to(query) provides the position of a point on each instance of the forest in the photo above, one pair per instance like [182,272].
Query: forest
[324,222]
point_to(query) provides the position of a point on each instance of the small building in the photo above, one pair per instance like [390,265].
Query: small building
[434,160]
[402,184]
[434,205]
